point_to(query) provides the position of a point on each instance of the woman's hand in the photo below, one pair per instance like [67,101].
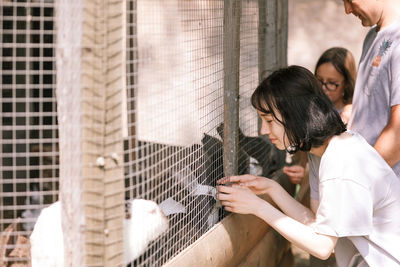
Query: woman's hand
[295,173]
[259,185]
[239,199]
[346,113]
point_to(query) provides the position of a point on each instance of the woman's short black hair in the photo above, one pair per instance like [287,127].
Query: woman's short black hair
[308,116]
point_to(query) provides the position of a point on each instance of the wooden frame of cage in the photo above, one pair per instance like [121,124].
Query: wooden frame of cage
[90,81]
[238,240]
[91,174]
[243,240]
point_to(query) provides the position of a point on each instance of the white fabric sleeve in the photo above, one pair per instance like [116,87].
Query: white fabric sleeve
[345,209]
[313,175]
[395,76]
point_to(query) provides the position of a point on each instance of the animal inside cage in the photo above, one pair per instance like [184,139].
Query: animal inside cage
[140,114]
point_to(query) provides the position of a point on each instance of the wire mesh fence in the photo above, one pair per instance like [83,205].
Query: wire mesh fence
[175,130]
[29,138]
[177,95]
[173,115]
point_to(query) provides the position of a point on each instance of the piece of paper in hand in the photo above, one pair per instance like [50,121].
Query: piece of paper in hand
[190,183]
[170,206]
[204,190]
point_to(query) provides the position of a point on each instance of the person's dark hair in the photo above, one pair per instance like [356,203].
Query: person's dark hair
[308,116]
[344,63]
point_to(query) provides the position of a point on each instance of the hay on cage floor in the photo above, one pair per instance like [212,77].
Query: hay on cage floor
[14,248]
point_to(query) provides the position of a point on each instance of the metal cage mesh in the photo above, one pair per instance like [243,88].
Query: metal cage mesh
[173,138]
[175,110]
[29,137]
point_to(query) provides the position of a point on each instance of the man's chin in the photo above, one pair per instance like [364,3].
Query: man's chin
[366,23]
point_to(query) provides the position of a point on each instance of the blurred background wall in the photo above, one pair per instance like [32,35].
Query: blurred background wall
[316,25]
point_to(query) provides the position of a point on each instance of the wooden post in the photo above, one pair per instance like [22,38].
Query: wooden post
[71,166]
[90,77]
[232,13]
[282,31]
[267,38]
[272,37]
[267,52]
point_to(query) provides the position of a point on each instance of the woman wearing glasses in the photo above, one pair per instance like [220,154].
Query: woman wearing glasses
[336,71]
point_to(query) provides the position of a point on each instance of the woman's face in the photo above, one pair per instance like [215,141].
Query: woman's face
[332,83]
[274,129]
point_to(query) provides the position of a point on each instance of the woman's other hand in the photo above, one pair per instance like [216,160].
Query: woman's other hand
[295,173]
[239,199]
[258,185]
[346,113]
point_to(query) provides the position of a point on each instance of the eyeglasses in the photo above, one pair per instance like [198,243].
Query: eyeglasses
[330,86]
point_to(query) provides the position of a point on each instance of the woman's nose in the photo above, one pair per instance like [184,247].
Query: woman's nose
[264,128]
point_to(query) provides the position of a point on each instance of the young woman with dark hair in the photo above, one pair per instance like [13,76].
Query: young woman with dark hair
[354,193]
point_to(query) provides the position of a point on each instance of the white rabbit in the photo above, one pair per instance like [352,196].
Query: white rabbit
[47,247]
[145,224]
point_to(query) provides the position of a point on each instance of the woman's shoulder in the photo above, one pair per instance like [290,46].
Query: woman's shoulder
[346,141]
[350,156]
[351,146]
[345,152]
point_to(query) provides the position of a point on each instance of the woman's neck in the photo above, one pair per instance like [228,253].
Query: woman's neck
[339,105]
[319,151]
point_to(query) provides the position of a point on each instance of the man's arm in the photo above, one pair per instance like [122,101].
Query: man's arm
[388,142]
